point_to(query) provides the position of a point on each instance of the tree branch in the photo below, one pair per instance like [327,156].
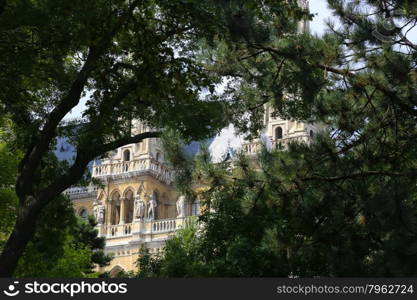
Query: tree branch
[358,175]
[34,155]
[82,159]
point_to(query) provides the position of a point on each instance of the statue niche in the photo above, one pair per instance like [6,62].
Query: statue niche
[115,209]
[139,208]
[99,212]
[181,206]
[152,206]
[128,207]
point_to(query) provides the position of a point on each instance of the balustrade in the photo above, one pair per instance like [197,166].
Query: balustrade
[164,225]
[77,192]
[255,147]
[119,230]
[146,164]
[144,227]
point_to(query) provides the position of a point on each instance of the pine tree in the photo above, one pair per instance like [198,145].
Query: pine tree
[345,205]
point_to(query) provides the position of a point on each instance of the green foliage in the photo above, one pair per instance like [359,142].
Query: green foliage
[63,246]
[269,217]
[180,257]
[346,204]
[149,265]
[147,63]
[9,159]
[8,199]
[129,60]
[72,264]
[85,234]
[343,206]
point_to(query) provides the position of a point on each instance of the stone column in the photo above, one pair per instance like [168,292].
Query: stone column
[108,212]
[122,210]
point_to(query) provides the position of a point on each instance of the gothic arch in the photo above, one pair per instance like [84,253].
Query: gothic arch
[128,204]
[279,133]
[114,192]
[115,207]
[126,155]
[116,270]
[127,190]
[82,212]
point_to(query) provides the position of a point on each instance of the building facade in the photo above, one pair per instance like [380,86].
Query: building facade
[136,205]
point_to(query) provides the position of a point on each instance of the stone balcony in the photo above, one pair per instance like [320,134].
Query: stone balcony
[254,147]
[81,192]
[283,143]
[141,230]
[136,167]
[145,227]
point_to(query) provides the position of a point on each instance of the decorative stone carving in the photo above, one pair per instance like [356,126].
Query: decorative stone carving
[152,207]
[99,212]
[181,207]
[139,208]
[95,210]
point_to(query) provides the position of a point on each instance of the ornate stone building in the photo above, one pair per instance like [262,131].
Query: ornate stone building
[137,205]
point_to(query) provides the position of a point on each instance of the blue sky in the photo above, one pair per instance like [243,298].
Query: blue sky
[319,7]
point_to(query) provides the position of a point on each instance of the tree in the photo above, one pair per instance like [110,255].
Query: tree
[131,59]
[345,205]
[180,257]
[63,245]
[8,199]
[86,234]
[148,264]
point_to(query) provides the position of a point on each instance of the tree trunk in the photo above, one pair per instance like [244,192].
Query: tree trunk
[30,207]
[22,233]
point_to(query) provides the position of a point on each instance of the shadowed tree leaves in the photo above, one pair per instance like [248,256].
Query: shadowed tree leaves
[345,205]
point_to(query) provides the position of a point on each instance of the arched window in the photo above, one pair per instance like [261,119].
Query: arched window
[115,209]
[116,271]
[311,133]
[126,155]
[158,156]
[83,213]
[128,207]
[278,133]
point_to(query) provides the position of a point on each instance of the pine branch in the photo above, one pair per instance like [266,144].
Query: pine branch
[359,175]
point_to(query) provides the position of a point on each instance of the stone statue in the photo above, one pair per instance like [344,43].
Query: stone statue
[139,208]
[181,206]
[101,212]
[96,210]
[152,207]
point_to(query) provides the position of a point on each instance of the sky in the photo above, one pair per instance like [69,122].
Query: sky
[322,13]
[317,25]
[318,7]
